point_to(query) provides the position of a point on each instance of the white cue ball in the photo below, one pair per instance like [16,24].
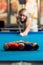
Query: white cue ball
[21,34]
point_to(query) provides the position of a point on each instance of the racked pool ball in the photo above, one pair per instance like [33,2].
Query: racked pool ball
[6,47]
[35,46]
[21,46]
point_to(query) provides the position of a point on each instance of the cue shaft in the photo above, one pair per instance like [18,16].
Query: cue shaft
[19,25]
[19,29]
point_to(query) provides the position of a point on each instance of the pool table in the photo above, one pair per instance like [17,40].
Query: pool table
[6,37]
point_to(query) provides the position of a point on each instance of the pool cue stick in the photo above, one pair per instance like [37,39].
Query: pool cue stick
[19,28]
[19,25]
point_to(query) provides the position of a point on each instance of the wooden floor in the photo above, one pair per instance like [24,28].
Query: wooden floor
[20,63]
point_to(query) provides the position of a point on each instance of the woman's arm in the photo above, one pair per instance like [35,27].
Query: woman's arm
[28,27]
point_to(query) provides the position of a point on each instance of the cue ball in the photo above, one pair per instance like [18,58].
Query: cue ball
[21,34]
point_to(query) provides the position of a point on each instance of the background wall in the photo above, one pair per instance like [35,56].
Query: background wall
[41,11]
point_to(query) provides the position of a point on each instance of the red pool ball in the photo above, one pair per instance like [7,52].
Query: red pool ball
[21,46]
[11,46]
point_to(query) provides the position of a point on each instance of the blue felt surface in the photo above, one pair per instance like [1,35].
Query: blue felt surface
[21,55]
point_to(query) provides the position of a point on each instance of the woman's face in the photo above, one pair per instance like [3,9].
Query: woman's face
[23,17]
[14,6]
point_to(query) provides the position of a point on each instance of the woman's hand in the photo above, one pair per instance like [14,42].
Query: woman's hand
[24,34]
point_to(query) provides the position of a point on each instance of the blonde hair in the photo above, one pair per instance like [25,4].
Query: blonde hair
[23,12]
